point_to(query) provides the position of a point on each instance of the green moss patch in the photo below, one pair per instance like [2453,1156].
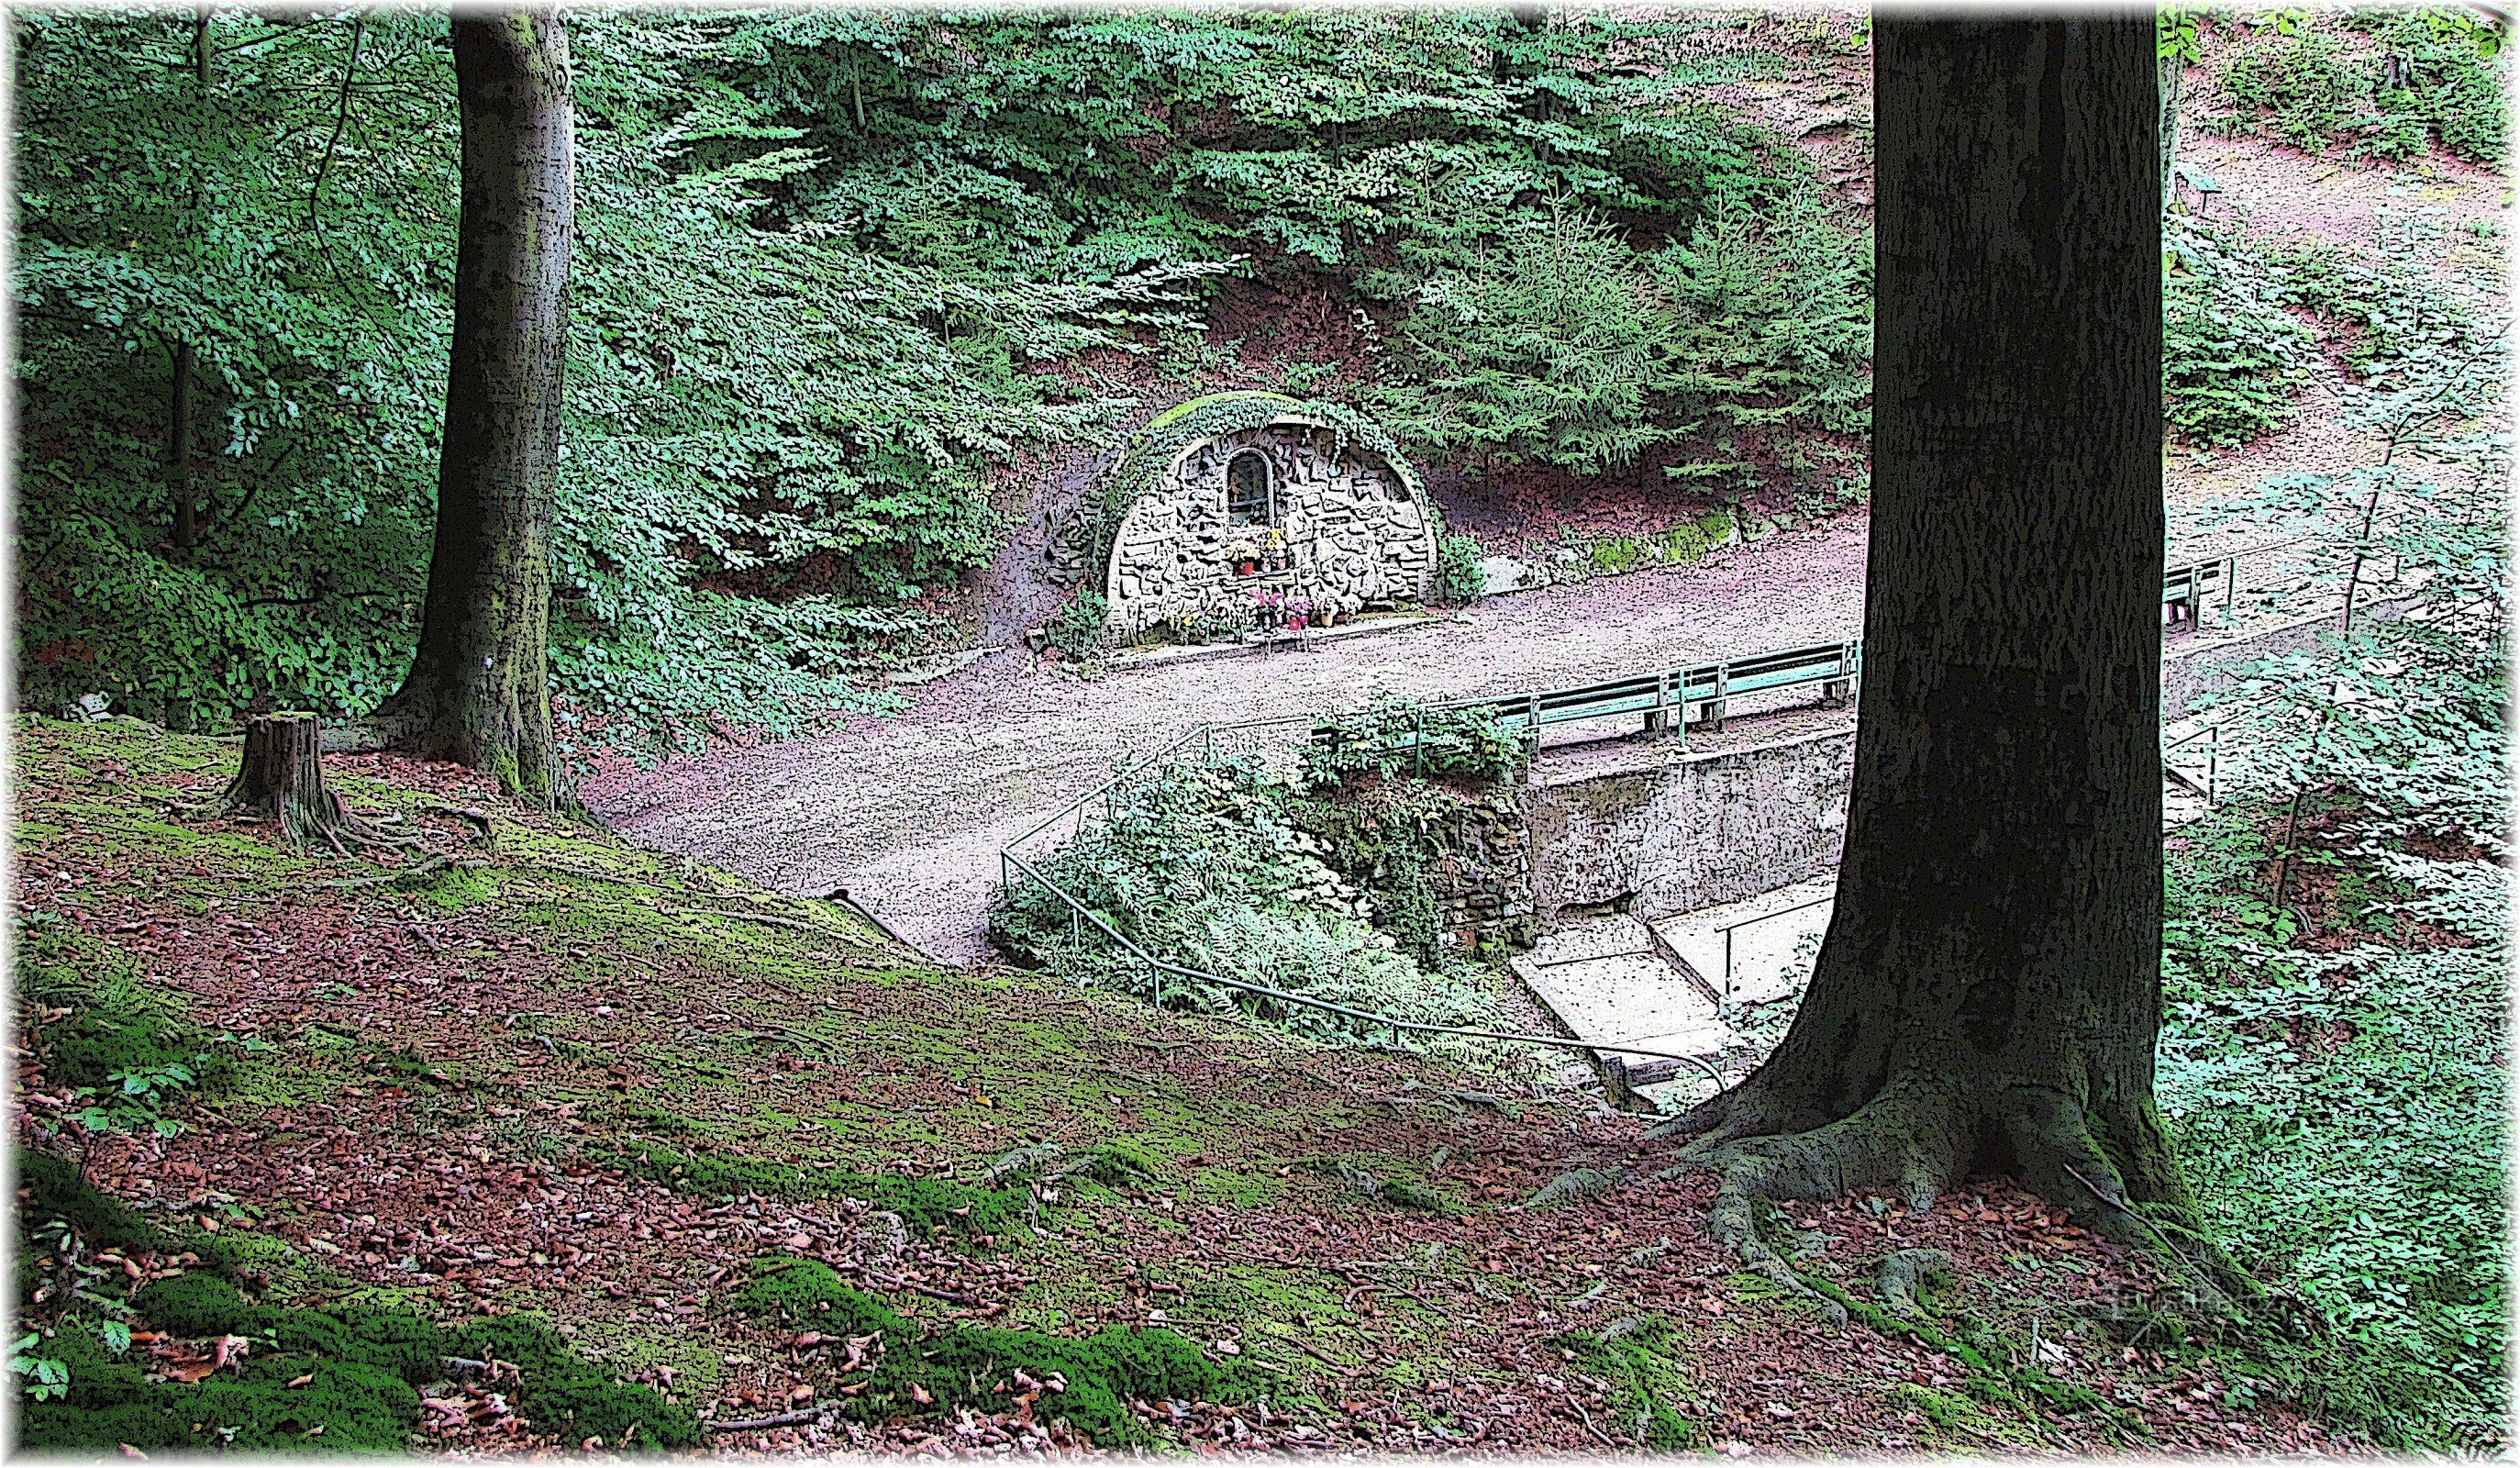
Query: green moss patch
[118,1024]
[932,1207]
[1647,1389]
[1088,1381]
[336,1379]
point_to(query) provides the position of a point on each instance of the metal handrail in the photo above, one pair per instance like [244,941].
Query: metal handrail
[1726,930]
[2212,734]
[2185,583]
[1660,694]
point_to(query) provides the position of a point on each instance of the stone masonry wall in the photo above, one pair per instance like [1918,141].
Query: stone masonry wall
[1355,536]
[1703,829]
[1482,882]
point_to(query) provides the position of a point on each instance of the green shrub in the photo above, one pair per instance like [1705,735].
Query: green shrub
[2316,80]
[2386,299]
[1459,579]
[2364,1166]
[1389,737]
[1222,871]
[2312,87]
[1081,625]
[1545,337]
[2320,1067]
[2458,80]
[2232,357]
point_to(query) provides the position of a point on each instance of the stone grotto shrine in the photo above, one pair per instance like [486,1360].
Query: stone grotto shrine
[1254,509]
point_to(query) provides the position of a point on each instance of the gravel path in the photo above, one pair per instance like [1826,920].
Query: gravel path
[908,812]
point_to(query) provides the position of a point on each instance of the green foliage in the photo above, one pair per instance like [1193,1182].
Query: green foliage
[1088,1381]
[1222,870]
[2343,1126]
[1649,1392]
[1548,338]
[2315,81]
[932,1206]
[1459,579]
[154,212]
[1683,543]
[365,1364]
[1390,736]
[1079,628]
[2342,1123]
[2385,306]
[2316,88]
[2232,357]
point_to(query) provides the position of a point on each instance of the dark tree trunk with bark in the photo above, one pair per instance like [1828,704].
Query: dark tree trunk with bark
[1989,993]
[479,691]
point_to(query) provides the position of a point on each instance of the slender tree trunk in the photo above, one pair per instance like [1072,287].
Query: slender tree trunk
[1989,992]
[479,691]
[2173,75]
[179,404]
[179,447]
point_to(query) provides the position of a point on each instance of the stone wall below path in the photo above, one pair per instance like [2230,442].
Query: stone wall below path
[1691,832]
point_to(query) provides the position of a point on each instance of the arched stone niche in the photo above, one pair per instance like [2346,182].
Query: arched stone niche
[1352,528]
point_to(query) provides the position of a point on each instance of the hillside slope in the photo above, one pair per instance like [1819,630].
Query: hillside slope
[565,1080]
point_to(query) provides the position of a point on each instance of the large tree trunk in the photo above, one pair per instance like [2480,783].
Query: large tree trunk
[1989,992]
[479,691]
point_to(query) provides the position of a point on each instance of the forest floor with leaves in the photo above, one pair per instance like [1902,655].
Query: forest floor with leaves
[566,1079]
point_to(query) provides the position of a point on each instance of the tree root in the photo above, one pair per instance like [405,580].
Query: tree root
[1904,1272]
[478,819]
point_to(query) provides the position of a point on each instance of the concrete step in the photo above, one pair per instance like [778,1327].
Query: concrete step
[1608,982]
[1766,932]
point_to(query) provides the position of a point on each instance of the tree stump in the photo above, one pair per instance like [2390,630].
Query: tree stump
[281,779]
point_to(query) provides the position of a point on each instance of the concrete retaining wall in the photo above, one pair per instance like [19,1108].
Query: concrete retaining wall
[2191,670]
[1703,830]
[1706,829]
